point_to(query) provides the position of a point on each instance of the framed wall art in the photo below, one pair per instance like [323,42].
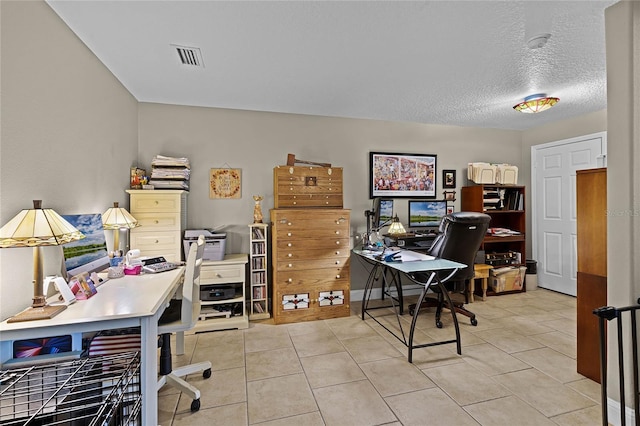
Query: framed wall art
[225,183]
[448,178]
[402,175]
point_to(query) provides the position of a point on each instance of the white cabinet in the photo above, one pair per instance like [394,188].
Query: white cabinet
[222,294]
[162,215]
[258,272]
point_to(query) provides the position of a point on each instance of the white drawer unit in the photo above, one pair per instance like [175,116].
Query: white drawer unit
[222,294]
[162,215]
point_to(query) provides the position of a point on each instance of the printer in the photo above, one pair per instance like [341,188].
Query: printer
[214,243]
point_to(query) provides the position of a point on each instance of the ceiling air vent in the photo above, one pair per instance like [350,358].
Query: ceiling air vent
[189,55]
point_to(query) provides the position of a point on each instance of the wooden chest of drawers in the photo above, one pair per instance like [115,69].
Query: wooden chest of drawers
[310,257]
[296,186]
[162,215]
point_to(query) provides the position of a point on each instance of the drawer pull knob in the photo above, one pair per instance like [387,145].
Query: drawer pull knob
[290,265]
[288,244]
[283,221]
[337,262]
[156,221]
[337,252]
[295,202]
[338,242]
[338,276]
[288,223]
[218,275]
[337,232]
[289,255]
[288,234]
[157,241]
[289,280]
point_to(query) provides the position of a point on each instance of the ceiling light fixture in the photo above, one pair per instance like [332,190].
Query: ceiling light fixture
[536,103]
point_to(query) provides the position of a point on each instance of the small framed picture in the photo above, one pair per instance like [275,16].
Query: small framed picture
[449,195]
[449,209]
[448,178]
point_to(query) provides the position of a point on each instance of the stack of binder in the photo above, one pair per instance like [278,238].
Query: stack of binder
[170,173]
[481,172]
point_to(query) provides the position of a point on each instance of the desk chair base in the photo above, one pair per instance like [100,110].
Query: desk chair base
[440,304]
[174,376]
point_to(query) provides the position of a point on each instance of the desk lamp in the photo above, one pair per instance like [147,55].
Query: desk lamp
[396,227]
[117,218]
[35,228]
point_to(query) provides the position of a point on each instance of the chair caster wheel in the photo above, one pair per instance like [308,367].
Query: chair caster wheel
[195,405]
[206,373]
[474,322]
[439,324]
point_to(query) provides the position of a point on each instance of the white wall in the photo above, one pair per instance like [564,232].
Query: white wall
[622,23]
[256,142]
[68,136]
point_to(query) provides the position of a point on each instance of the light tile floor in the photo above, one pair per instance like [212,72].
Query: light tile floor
[518,367]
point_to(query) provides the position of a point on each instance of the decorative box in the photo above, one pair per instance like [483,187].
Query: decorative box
[307,186]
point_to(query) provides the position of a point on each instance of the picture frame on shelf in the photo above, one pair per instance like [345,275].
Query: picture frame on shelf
[396,175]
[448,178]
[450,209]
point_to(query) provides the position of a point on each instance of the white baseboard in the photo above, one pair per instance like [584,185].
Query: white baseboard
[356,295]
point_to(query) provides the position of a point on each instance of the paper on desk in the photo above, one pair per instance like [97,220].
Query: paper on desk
[411,256]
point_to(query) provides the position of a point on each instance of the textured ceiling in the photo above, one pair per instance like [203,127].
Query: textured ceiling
[462,63]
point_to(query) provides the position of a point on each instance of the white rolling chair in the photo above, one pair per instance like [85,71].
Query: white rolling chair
[179,317]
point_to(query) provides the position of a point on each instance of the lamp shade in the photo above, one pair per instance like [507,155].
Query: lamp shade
[536,103]
[396,227]
[118,218]
[38,227]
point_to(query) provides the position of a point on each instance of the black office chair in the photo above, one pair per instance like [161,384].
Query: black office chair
[461,234]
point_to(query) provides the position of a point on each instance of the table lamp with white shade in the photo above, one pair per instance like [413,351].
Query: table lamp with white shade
[117,218]
[35,228]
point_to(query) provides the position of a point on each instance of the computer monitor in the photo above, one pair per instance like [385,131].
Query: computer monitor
[426,215]
[382,212]
[90,253]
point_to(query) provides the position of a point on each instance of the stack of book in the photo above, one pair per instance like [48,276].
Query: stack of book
[170,173]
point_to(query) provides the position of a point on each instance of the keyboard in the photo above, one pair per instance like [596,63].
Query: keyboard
[158,264]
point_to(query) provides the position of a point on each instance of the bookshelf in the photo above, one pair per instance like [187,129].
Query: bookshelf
[258,272]
[506,206]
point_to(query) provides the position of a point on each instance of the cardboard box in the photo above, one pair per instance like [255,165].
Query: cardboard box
[507,279]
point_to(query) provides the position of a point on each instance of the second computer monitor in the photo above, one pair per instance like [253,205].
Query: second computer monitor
[426,215]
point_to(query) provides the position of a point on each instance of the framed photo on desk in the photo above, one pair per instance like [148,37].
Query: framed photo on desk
[394,175]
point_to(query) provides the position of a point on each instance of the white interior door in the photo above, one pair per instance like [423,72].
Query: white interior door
[553,172]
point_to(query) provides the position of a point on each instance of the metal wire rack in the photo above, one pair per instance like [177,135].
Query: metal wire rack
[101,390]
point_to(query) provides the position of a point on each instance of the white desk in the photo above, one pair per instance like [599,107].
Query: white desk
[130,301]
[408,269]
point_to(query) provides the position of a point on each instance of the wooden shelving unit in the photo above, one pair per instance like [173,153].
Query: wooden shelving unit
[258,272]
[506,206]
